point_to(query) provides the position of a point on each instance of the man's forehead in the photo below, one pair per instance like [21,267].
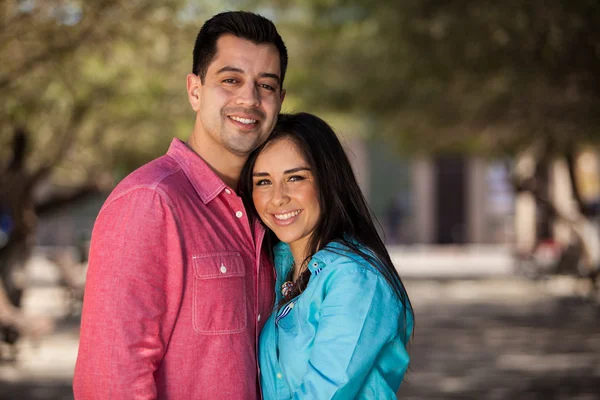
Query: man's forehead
[231,48]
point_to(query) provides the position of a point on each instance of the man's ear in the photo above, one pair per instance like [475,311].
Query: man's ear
[194,87]
[282,95]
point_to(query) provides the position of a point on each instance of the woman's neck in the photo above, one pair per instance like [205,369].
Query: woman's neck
[299,254]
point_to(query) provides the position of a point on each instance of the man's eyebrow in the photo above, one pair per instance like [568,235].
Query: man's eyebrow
[269,75]
[229,68]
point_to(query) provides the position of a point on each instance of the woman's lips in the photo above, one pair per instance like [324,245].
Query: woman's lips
[287,218]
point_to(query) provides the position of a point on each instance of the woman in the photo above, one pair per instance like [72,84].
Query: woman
[342,319]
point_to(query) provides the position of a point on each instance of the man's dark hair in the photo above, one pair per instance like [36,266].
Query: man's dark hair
[243,24]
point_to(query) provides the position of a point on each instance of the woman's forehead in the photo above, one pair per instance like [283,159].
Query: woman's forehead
[281,152]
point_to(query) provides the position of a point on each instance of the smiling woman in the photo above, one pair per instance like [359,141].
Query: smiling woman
[342,318]
[285,195]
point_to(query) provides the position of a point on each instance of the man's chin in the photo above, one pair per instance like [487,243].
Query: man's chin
[243,150]
[246,143]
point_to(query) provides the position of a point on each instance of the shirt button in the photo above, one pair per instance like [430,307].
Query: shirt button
[227,191]
[258,318]
[238,214]
[279,376]
[223,268]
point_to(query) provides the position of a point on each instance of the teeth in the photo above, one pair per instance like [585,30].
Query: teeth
[285,216]
[243,120]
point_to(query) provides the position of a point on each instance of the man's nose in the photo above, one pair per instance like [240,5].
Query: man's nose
[248,95]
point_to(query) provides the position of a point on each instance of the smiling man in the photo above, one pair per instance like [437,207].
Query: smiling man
[177,281]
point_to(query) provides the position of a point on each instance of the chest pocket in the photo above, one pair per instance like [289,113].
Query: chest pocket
[219,294]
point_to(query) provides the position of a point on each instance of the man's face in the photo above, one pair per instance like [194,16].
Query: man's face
[241,96]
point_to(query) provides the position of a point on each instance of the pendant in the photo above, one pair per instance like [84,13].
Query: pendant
[286,288]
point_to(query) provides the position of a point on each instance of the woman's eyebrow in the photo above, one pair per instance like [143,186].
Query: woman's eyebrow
[291,171]
[287,171]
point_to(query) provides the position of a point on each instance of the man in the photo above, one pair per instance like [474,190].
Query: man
[177,285]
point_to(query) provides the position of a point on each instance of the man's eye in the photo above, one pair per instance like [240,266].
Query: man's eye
[267,87]
[229,80]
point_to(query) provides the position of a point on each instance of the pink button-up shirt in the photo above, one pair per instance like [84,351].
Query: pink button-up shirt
[177,289]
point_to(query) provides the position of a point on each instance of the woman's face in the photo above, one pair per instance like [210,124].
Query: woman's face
[285,195]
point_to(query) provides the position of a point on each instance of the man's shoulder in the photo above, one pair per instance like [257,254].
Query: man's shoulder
[155,176]
[149,175]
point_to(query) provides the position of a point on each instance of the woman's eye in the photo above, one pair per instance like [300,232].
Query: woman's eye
[296,178]
[262,182]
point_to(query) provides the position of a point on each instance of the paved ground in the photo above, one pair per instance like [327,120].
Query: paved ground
[503,339]
[496,337]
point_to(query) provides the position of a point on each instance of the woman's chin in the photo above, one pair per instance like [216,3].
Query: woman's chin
[286,238]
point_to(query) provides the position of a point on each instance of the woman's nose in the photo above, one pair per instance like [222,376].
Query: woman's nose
[280,195]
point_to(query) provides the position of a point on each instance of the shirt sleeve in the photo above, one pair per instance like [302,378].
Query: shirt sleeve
[132,294]
[359,315]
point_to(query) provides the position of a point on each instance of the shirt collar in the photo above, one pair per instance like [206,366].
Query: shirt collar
[282,254]
[323,257]
[204,180]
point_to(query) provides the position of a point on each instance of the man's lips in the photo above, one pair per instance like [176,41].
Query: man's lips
[245,118]
[242,120]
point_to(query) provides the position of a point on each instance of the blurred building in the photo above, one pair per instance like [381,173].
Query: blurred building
[435,200]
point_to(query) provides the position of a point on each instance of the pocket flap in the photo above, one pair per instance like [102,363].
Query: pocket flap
[218,265]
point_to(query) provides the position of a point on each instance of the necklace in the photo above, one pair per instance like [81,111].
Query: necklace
[288,286]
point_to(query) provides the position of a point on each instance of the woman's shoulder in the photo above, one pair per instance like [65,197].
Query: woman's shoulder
[348,257]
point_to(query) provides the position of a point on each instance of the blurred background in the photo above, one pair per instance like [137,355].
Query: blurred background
[473,128]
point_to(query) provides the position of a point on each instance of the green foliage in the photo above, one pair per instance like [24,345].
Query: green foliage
[452,76]
[98,85]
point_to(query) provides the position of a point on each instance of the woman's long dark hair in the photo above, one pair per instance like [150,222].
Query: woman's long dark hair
[345,216]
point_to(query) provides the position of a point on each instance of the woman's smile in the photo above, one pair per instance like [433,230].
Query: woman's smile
[286,218]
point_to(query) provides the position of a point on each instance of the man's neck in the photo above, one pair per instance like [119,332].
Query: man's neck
[226,165]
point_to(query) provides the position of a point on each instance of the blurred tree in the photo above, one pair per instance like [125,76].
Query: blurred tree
[480,75]
[90,90]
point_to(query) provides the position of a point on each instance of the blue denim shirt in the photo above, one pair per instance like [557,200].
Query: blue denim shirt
[343,338]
